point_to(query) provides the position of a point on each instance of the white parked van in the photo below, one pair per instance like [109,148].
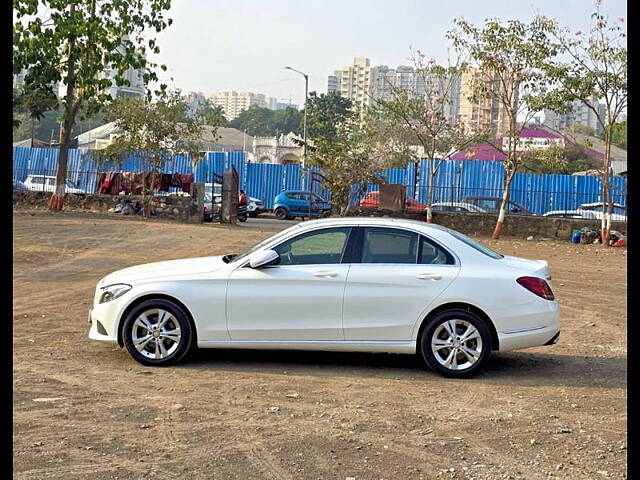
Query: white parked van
[47,183]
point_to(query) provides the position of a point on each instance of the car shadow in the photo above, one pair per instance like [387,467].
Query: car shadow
[512,368]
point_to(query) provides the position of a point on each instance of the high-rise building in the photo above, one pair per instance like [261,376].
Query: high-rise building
[235,102]
[485,114]
[194,100]
[364,84]
[333,83]
[580,114]
[356,82]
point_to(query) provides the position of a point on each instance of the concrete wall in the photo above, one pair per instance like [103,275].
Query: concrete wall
[482,224]
[176,208]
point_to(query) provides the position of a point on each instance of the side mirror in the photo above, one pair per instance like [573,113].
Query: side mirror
[262,259]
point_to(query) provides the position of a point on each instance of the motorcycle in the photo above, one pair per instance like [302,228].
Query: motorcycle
[242,213]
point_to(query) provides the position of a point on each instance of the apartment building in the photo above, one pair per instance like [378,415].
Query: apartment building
[485,114]
[580,114]
[233,102]
[363,84]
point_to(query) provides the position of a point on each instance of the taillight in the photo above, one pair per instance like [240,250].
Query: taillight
[538,286]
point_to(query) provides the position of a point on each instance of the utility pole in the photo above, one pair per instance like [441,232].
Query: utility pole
[304,125]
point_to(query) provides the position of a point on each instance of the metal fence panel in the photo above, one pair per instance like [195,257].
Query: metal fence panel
[455,179]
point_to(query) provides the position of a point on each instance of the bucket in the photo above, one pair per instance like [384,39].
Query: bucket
[575,236]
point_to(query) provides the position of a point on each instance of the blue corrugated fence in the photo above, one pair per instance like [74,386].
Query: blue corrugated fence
[454,180]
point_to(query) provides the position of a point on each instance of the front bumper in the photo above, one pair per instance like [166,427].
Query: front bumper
[103,319]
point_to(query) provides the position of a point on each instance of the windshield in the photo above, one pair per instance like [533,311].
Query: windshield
[257,247]
[473,244]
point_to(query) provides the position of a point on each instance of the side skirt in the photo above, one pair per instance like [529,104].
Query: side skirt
[327,346]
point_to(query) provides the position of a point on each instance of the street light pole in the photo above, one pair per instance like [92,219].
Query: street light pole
[304,125]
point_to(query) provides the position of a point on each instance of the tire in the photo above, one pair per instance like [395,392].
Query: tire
[176,346]
[242,218]
[281,213]
[253,214]
[473,352]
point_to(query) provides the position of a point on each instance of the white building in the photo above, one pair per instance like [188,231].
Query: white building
[363,84]
[357,82]
[581,114]
[194,100]
[233,102]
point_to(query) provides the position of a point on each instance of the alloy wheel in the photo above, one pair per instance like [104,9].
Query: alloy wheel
[456,344]
[156,334]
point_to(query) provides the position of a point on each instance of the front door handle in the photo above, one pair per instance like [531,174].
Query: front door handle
[325,274]
[428,276]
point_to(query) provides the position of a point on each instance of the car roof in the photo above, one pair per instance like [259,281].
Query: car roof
[355,221]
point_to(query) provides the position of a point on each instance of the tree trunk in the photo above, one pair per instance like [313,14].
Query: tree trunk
[503,205]
[432,175]
[71,106]
[605,226]
[56,202]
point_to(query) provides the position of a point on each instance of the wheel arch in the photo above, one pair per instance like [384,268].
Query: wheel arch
[495,342]
[154,296]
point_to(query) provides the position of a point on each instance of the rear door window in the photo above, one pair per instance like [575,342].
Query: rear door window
[389,245]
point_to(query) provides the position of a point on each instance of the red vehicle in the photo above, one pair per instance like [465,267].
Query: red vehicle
[372,200]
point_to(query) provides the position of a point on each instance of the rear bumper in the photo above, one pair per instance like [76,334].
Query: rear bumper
[539,329]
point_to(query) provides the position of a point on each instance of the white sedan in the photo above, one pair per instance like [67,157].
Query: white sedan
[351,284]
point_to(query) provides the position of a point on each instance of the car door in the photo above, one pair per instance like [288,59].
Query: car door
[300,299]
[400,273]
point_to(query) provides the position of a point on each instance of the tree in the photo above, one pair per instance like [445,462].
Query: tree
[287,120]
[560,160]
[347,159]
[74,45]
[424,114]
[594,66]
[619,134]
[508,58]
[210,114]
[30,105]
[256,121]
[325,113]
[156,131]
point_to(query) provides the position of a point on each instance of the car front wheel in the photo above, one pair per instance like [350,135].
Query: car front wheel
[157,333]
[281,213]
[455,343]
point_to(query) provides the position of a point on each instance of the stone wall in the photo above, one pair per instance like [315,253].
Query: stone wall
[176,208]
[480,224]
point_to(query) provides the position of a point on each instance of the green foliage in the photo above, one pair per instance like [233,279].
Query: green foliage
[73,42]
[210,114]
[560,160]
[619,134]
[155,130]
[348,158]
[264,122]
[325,113]
[424,118]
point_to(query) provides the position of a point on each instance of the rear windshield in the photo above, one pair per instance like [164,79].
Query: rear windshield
[473,244]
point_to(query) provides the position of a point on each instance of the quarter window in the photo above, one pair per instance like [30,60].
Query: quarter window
[432,254]
[314,248]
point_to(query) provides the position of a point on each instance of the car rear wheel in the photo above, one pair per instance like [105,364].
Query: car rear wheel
[281,213]
[157,333]
[455,343]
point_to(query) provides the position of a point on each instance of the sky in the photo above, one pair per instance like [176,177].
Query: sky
[244,45]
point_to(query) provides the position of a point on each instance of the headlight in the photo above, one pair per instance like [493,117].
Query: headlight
[111,292]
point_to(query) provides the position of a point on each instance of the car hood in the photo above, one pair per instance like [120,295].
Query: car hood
[167,269]
[538,268]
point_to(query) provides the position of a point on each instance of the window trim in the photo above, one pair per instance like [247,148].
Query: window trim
[358,253]
[350,229]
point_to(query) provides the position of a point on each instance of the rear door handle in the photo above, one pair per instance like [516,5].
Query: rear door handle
[428,276]
[325,274]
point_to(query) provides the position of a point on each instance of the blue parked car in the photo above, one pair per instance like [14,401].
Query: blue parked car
[290,204]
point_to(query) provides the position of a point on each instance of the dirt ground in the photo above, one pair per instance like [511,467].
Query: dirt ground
[86,410]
